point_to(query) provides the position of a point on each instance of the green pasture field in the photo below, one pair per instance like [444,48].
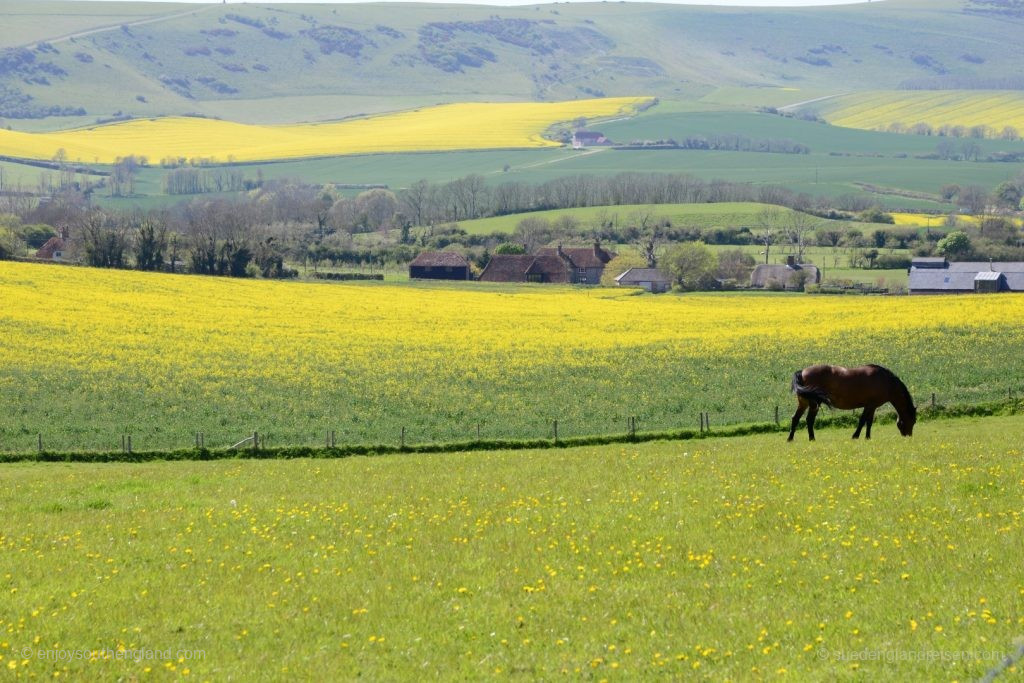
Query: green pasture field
[723,558]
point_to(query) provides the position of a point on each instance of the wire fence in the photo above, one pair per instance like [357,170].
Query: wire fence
[483,434]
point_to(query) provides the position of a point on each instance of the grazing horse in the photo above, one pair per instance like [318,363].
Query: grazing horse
[867,387]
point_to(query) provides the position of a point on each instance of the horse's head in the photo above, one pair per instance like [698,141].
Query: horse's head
[905,423]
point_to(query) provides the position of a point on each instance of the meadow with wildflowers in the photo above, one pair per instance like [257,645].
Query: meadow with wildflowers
[722,559]
[91,355]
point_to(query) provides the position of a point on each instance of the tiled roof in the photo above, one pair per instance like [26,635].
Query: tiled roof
[54,244]
[581,257]
[507,268]
[439,259]
[549,265]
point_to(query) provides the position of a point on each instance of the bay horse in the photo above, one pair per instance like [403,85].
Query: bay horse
[867,387]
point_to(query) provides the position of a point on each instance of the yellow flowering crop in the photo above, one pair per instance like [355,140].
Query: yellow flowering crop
[880,109]
[934,221]
[91,354]
[469,125]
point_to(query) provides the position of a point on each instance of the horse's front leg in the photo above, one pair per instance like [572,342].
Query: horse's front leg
[869,418]
[860,424]
[796,420]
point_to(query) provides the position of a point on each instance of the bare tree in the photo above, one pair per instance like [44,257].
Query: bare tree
[767,229]
[798,230]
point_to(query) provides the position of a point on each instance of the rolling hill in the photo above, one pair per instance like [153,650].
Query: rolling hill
[71,63]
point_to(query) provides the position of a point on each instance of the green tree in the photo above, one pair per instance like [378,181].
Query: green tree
[150,243]
[955,244]
[510,248]
[691,265]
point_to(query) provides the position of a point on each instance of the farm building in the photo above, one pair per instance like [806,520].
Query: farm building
[53,250]
[589,138]
[439,265]
[651,279]
[565,265]
[939,276]
[791,275]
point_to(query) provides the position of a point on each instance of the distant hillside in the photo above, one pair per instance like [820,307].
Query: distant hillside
[84,61]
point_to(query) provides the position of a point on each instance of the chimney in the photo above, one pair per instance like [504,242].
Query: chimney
[990,264]
[597,248]
[791,261]
[560,252]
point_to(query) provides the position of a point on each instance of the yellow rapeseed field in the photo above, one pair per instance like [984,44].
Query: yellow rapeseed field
[936,220]
[881,109]
[90,354]
[470,125]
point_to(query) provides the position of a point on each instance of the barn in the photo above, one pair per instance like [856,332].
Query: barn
[931,275]
[439,265]
[651,279]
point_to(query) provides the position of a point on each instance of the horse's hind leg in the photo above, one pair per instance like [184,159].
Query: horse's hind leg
[811,416]
[796,419]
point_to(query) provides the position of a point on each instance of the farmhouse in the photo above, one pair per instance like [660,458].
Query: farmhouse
[439,265]
[939,276]
[792,275]
[53,250]
[589,138]
[565,265]
[651,279]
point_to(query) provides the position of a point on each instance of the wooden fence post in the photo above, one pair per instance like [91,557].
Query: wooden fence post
[122,443]
[556,430]
[334,441]
[40,442]
[933,399]
[403,438]
[129,443]
[776,416]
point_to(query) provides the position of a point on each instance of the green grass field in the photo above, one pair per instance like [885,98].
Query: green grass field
[741,558]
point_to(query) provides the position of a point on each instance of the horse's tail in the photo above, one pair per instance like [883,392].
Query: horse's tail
[815,395]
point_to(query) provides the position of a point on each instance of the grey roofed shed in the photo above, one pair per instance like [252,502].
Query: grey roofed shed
[651,279]
[959,277]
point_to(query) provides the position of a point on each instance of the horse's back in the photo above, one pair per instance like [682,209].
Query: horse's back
[849,388]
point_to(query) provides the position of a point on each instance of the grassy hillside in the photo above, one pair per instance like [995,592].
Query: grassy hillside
[162,357]
[725,558]
[204,59]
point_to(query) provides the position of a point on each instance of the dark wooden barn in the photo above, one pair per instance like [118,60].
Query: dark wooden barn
[439,265]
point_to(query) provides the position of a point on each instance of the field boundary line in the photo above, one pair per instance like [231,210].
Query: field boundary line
[990,409]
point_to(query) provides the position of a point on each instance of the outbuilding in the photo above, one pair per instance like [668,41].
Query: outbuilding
[651,279]
[439,265]
[938,276]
